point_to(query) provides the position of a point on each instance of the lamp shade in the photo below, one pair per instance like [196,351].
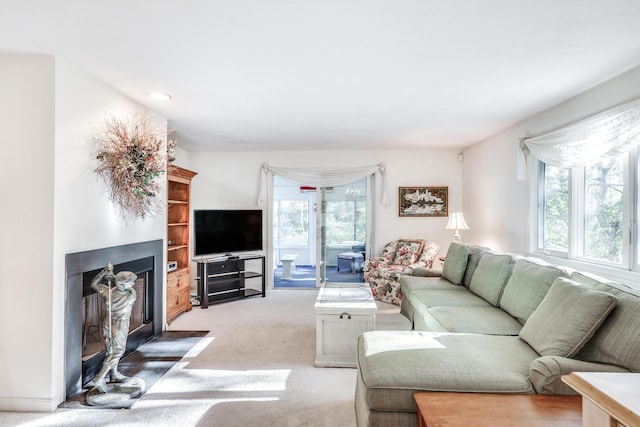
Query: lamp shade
[456,222]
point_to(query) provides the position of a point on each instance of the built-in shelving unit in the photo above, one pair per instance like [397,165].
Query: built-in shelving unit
[178,234]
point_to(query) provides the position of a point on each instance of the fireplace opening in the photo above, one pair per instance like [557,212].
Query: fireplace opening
[94,311]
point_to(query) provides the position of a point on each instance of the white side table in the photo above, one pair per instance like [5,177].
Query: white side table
[288,265]
[343,312]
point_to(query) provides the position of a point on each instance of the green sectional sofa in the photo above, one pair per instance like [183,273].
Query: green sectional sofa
[494,323]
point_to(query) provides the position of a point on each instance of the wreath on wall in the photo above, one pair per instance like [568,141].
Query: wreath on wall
[130,159]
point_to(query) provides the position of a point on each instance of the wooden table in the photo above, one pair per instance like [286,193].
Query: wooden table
[608,398]
[436,409]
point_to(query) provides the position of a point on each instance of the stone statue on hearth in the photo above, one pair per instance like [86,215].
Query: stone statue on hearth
[119,296]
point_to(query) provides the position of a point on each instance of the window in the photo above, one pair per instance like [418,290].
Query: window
[581,211]
[291,223]
[589,210]
[555,209]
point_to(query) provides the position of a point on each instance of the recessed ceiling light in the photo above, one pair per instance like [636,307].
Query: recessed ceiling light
[159,96]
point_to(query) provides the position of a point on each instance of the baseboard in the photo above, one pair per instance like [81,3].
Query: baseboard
[27,404]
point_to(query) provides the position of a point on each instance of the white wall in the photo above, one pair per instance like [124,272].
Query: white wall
[182,158]
[85,217]
[494,199]
[57,206]
[229,180]
[26,220]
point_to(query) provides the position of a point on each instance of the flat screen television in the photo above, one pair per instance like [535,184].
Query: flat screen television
[223,231]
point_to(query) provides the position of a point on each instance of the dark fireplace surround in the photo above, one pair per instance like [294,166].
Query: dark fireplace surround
[78,265]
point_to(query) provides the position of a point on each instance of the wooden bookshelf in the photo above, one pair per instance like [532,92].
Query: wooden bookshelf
[178,244]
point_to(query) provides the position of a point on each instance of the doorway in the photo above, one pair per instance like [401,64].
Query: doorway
[319,233]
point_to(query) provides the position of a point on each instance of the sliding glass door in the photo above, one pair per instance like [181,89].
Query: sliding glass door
[315,225]
[341,224]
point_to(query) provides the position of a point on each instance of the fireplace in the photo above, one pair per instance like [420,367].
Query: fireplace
[84,342]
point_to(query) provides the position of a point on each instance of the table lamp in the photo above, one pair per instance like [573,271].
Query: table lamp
[456,222]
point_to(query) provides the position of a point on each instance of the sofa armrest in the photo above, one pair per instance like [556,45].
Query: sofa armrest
[429,253]
[545,373]
[410,268]
[374,262]
[426,272]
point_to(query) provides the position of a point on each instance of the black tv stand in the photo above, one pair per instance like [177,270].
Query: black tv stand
[229,278]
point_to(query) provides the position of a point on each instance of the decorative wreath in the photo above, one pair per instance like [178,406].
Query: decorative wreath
[130,158]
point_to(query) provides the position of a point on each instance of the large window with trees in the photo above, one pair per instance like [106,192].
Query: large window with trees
[582,211]
[587,205]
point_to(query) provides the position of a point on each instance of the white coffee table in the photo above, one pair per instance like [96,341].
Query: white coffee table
[343,312]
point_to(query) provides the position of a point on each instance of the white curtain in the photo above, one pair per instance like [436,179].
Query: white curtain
[320,177]
[603,135]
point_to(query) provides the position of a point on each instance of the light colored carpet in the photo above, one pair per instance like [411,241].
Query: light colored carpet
[255,367]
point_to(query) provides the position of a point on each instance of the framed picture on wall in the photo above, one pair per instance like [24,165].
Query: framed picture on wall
[423,201]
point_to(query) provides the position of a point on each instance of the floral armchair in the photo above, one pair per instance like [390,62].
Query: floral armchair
[398,257]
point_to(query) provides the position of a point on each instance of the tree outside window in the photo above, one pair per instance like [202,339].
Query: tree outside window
[346,221]
[291,222]
[555,209]
[603,210]
[595,200]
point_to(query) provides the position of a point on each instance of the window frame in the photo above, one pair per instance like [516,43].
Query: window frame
[540,214]
[575,254]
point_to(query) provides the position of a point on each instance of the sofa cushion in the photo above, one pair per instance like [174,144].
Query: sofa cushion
[422,300]
[491,276]
[414,283]
[568,316]
[527,286]
[455,263]
[393,365]
[617,342]
[589,280]
[426,272]
[408,284]
[475,320]
[475,253]
[408,251]
[460,297]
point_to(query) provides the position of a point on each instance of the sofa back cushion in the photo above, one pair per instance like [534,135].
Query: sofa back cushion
[408,252]
[491,276]
[617,341]
[590,280]
[527,286]
[475,253]
[455,263]
[568,316]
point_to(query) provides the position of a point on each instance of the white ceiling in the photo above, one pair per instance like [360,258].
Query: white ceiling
[335,74]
